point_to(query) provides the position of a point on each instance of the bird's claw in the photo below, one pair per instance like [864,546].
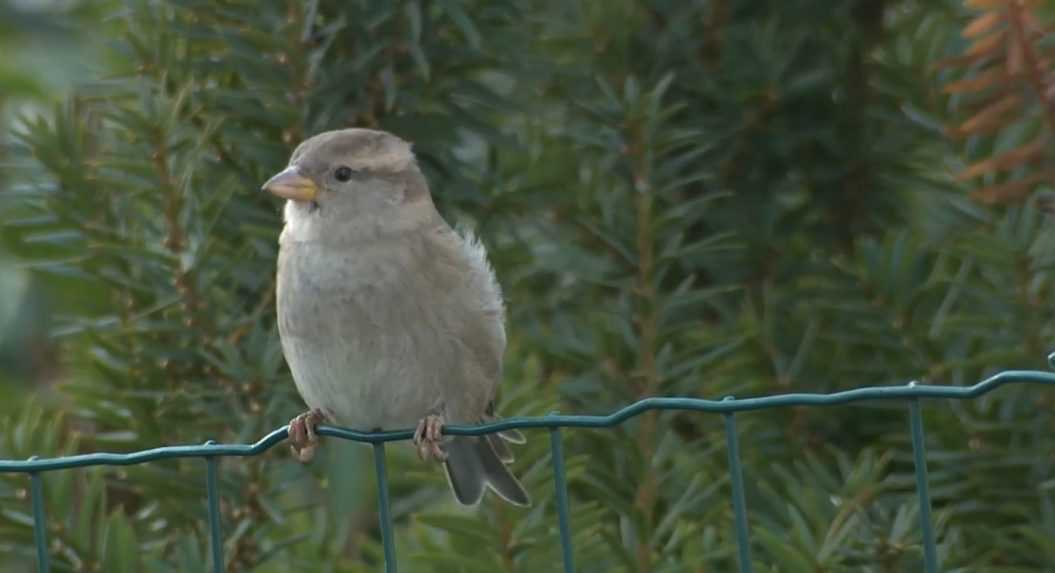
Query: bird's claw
[302,437]
[428,438]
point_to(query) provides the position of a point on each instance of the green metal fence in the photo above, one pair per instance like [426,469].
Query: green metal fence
[911,393]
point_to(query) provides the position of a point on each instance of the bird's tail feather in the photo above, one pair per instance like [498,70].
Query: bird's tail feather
[501,448]
[473,465]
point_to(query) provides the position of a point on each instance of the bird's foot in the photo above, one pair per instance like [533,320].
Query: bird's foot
[302,437]
[428,438]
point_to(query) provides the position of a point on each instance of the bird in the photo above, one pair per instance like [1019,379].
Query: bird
[388,317]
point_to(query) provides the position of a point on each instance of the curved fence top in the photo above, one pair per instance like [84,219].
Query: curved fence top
[727,405]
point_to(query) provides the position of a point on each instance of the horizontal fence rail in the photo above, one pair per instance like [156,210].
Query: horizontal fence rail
[910,393]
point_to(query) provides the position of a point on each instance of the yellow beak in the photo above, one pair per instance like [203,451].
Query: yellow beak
[290,184]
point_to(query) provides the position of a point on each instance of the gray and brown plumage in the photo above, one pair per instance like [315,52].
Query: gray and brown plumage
[389,319]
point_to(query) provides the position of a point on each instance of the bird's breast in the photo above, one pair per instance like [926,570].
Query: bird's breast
[322,289]
[359,340]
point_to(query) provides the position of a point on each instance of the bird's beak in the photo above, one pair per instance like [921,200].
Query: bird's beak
[289,183]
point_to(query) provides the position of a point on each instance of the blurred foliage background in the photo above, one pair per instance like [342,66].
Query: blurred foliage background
[682,198]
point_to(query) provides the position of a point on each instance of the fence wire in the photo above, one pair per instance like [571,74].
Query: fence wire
[209,452]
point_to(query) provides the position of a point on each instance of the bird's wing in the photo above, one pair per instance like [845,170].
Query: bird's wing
[479,299]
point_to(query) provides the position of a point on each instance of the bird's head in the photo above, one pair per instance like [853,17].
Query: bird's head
[352,183]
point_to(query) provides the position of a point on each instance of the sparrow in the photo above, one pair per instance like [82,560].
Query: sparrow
[388,318]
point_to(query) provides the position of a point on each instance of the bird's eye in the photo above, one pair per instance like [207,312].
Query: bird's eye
[343,173]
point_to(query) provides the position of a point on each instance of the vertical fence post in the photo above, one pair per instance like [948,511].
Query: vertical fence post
[40,522]
[383,511]
[560,483]
[212,491]
[919,454]
[736,476]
